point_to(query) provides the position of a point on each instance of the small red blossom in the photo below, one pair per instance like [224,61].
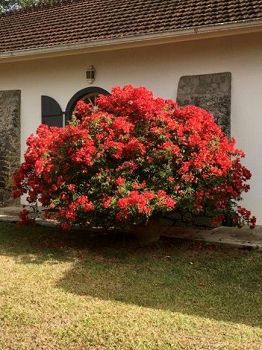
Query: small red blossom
[107,201]
[82,108]
[120,181]
[134,146]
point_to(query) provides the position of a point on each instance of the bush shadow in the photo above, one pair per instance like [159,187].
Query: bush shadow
[178,276]
[194,279]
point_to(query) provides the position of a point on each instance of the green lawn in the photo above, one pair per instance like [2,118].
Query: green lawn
[70,291]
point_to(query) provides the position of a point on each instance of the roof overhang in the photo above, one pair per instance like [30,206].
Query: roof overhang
[204,32]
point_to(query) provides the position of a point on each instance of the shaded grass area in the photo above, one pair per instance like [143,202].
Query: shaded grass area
[75,291]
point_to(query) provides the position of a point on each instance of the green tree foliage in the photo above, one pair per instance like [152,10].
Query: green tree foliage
[6,5]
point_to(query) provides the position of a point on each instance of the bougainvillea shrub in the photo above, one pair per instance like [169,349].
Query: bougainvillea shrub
[131,157]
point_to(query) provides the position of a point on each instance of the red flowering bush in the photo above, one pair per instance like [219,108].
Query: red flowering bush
[131,157]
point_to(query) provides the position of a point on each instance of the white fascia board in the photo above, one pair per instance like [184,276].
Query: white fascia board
[135,41]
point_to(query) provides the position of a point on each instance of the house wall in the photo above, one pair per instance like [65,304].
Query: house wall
[159,68]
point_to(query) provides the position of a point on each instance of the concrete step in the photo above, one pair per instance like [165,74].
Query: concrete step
[232,236]
[11,211]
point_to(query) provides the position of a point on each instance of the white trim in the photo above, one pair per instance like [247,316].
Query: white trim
[135,41]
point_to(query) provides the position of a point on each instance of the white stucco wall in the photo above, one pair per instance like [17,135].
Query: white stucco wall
[159,68]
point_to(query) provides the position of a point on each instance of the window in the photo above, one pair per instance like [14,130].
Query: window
[52,113]
[88,95]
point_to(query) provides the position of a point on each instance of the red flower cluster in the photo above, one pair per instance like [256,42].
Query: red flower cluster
[131,157]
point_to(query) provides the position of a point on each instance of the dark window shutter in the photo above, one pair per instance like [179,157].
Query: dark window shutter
[52,114]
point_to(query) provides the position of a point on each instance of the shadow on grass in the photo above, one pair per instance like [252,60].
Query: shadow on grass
[32,244]
[207,281]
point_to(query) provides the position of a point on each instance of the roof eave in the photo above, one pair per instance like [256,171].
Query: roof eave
[135,41]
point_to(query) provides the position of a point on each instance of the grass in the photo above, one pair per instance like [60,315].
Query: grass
[71,291]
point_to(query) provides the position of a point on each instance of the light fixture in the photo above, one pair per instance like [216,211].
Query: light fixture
[90,74]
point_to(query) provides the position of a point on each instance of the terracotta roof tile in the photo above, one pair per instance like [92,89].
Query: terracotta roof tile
[72,22]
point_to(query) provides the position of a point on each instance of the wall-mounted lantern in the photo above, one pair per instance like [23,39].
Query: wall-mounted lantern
[90,74]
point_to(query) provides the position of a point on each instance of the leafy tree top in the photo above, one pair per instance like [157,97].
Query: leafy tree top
[9,5]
